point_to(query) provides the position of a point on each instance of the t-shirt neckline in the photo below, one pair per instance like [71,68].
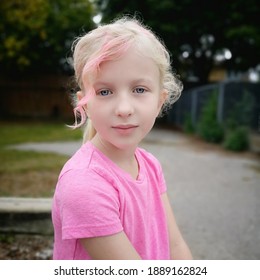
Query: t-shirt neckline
[118,169]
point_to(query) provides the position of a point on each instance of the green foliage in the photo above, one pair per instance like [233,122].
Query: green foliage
[236,131]
[201,30]
[241,113]
[36,34]
[237,139]
[29,173]
[208,127]
[15,161]
[188,125]
[16,133]
[237,126]
[6,238]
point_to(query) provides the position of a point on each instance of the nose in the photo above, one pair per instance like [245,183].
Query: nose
[124,106]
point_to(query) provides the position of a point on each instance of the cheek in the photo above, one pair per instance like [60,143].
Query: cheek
[90,109]
[150,112]
[157,105]
[97,114]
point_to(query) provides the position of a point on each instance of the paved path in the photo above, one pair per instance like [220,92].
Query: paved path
[215,195]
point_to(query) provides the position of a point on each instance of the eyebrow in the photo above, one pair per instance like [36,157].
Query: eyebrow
[102,84]
[142,80]
[109,84]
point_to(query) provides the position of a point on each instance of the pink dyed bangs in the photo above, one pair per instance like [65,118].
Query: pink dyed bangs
[112,48]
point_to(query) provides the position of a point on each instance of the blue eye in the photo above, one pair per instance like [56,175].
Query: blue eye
[104,92]
[139,90]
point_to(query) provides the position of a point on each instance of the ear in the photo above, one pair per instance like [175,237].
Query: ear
[80,95]
[163,96]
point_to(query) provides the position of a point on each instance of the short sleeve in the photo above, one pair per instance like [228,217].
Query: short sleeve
[89,205]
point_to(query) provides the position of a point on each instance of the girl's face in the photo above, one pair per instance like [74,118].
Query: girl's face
[127,101]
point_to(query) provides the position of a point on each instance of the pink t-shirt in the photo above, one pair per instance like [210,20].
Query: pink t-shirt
[94,197]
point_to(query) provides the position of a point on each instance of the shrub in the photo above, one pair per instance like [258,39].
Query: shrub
[208,127]
[237,139]
[237,132]
[242,112]
[188,125]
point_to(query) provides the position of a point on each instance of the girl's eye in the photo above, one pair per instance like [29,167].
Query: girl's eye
[104,92]
[139,90]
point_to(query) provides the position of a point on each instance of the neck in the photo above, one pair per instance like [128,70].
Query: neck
[124,158]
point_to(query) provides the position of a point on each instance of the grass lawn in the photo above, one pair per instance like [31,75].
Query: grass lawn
[27,173]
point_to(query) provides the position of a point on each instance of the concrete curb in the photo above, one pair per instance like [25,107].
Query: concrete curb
[25,215]
[25,205]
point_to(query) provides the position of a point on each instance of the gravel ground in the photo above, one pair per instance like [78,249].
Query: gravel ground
[25,247]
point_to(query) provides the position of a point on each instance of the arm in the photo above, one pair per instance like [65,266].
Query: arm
[112,247]
[178,247]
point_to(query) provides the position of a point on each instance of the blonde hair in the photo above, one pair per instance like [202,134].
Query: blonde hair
[109,42]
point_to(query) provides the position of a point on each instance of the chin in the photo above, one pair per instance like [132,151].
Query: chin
[126,145]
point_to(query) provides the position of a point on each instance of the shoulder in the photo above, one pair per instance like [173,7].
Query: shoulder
[85,170]
[85,162]
[80,160]
[86,188]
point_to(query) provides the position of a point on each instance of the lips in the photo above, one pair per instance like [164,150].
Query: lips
[125,129]
[125,126]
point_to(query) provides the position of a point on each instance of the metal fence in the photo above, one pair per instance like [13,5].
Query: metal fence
[192,101]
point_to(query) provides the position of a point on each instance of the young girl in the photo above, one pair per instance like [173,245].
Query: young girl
[110,201]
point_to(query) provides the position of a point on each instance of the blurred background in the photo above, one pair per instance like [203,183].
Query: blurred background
[215,47]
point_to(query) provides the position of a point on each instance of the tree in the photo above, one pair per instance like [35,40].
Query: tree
[36,35]
[198,33]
